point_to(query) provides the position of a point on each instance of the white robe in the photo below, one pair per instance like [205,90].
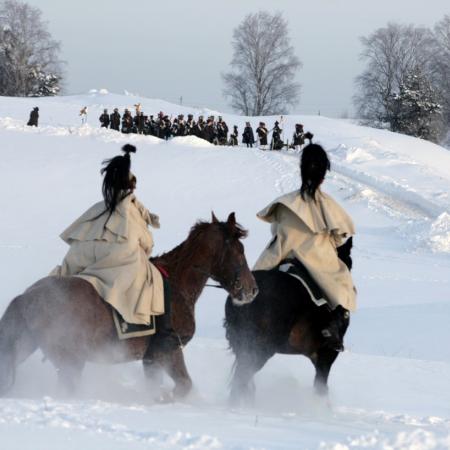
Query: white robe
[111,252]
[310,231]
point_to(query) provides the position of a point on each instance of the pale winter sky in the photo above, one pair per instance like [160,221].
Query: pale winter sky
[168,49]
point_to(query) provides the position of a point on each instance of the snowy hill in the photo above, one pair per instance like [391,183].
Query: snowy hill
[389,390]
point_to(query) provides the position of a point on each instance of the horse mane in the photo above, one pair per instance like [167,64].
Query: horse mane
[174,256]
[236,231]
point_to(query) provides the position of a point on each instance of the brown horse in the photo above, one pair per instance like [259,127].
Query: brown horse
[71,324]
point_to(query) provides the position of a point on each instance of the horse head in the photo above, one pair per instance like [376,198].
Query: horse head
[230,267]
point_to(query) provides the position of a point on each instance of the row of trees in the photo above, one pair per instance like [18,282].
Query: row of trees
[406,83]
[29,57]
[405,86]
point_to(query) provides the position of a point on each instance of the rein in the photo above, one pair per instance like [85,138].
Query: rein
[217,286]
[214,286]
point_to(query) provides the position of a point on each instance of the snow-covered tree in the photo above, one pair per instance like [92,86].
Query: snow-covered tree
[441,65]
[264,67]
[43,84]
[29,57]
[391,53]
[414,109]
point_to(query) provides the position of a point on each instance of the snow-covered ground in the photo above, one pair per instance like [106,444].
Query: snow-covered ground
[389,390]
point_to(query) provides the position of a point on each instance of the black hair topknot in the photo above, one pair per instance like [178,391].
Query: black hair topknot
[128,148]
[117,181]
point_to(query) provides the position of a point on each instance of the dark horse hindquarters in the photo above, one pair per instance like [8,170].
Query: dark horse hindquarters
[281,319]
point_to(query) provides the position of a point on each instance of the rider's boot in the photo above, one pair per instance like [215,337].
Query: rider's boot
[164,340]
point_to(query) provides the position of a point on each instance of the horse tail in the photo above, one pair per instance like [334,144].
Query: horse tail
[16,343]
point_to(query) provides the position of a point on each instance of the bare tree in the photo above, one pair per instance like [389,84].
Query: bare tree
[391,54]
[29,57]
[264,67]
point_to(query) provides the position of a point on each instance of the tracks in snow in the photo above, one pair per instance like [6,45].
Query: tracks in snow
[387,196]
[354,428]
[87,417]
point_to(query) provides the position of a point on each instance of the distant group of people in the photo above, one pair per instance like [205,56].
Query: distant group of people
[276,142]
[214,131]
[165,127]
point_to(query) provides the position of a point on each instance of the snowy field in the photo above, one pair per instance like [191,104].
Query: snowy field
[389,390]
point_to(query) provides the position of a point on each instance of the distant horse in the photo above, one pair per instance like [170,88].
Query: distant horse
[71,324]
[281,319]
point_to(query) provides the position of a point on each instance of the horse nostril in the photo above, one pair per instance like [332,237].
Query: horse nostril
[255,292]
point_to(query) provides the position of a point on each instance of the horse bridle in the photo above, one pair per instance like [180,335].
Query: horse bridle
[236,284]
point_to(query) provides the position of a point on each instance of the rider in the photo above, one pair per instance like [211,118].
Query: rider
[308,226]
[110,245]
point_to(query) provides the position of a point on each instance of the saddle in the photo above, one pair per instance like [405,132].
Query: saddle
[297,270]
[127,330]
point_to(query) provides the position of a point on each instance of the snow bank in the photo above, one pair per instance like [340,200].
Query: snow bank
[389,390]
[414,440]
[440,233]
[191,141]
[102,91]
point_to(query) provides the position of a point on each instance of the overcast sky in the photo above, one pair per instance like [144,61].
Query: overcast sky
[172,48]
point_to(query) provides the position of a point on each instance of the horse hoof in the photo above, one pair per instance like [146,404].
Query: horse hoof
[165,398]
[234,402]
[321,389]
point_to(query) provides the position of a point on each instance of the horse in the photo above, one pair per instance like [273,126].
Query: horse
[281,319]
[71,324]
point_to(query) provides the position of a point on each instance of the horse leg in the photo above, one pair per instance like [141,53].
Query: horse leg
[7,371]
[323,361]
[12,356]
[242,385]
[160,344]
[16,342]
[69,371]
[67,358]
[153,371]
[175,366]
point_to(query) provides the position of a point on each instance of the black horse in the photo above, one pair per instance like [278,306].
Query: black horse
[281,319]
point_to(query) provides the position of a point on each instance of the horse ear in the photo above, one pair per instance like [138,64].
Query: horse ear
[231,221]
[214,219]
